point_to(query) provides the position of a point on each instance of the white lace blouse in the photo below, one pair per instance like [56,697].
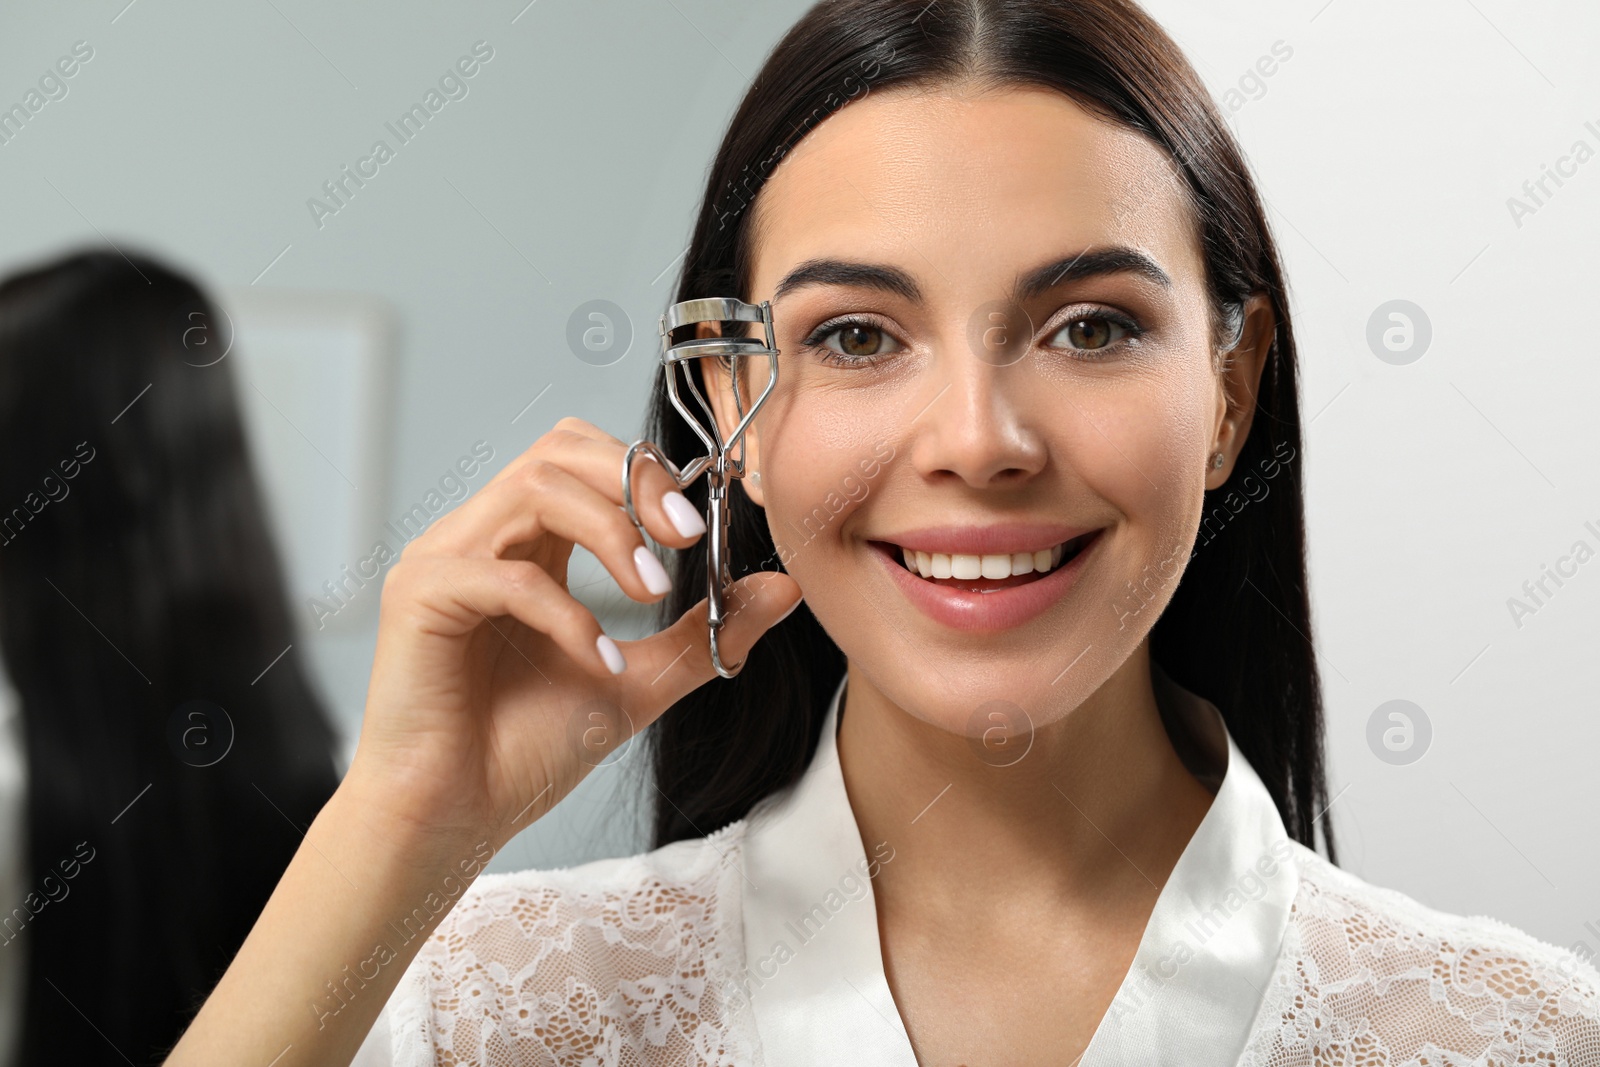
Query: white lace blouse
[759,945]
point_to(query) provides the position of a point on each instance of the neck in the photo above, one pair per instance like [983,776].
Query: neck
[1093,817]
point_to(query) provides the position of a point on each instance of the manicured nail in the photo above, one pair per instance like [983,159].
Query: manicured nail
[651,573]
[611,654]
[683,514]
[786,614]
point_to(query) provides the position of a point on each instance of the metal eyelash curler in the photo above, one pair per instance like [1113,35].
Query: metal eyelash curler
[718,463]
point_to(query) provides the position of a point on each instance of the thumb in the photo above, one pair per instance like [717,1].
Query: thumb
[669,665]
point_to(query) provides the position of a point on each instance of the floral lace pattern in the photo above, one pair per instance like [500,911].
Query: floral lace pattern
[1369,976]
[616,964]
[623,963]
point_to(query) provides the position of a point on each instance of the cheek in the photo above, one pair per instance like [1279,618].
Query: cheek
[1141,445]
[819,464]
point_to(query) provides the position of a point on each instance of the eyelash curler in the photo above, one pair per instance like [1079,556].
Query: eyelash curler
[720,463]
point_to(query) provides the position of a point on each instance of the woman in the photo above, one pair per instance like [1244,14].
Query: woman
[167,770]
[1007,791]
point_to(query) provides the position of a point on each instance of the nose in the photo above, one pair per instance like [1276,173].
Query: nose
[981,421]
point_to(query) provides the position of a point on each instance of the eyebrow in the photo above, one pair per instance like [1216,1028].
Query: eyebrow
[1086,264]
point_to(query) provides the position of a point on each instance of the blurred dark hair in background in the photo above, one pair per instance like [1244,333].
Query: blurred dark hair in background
[140,593]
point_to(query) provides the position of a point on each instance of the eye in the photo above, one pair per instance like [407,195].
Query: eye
[1095,331]
[852,341]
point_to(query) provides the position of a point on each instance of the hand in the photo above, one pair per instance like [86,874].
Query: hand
[487,668]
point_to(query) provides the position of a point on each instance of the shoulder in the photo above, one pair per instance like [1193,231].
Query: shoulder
[1372,975]
[615,961]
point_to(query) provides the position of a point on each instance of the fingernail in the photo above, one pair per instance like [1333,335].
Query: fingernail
[683,514]
[611,654]
[786,614]
[651,573]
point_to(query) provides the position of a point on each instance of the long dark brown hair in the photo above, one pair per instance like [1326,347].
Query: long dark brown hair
[141,601]
[1237,629]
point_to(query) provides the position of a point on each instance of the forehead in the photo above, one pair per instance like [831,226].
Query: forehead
[955,184]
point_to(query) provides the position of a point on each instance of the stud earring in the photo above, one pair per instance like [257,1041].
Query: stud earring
[755,479]
[1216,460]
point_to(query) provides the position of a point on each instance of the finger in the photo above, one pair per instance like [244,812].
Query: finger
[665,512]
[548,499]
[584,427]
[452,597]
[511,510]
[573,510]
[667,666]
[567,427]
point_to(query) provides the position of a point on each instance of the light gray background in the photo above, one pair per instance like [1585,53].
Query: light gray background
[1387,145]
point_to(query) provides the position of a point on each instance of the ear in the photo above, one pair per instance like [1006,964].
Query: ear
[718,381]
[1238,383]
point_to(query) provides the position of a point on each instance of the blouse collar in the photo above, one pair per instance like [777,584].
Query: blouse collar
[813,974]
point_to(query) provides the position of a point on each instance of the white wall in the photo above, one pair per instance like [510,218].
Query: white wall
[1387,144]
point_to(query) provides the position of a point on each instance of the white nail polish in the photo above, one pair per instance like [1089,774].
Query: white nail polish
[611,654]
[651,573]
[684,517]
[786,614]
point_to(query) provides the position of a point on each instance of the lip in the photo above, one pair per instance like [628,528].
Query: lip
[1006,538]
[1001,609]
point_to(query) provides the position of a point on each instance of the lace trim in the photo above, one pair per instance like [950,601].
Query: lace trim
[1369,976]
[622,963]
[619,963]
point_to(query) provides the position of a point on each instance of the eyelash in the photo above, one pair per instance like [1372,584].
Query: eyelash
[1131,328]
[813,343]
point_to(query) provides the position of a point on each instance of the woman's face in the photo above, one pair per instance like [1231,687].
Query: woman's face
[995,342]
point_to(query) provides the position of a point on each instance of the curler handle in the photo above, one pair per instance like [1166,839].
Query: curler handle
[718,573]
[719,577]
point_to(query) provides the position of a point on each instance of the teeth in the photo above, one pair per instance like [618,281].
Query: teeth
[968,566]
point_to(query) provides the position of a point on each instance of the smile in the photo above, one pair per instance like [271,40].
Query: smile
[988,590]
[980,573]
